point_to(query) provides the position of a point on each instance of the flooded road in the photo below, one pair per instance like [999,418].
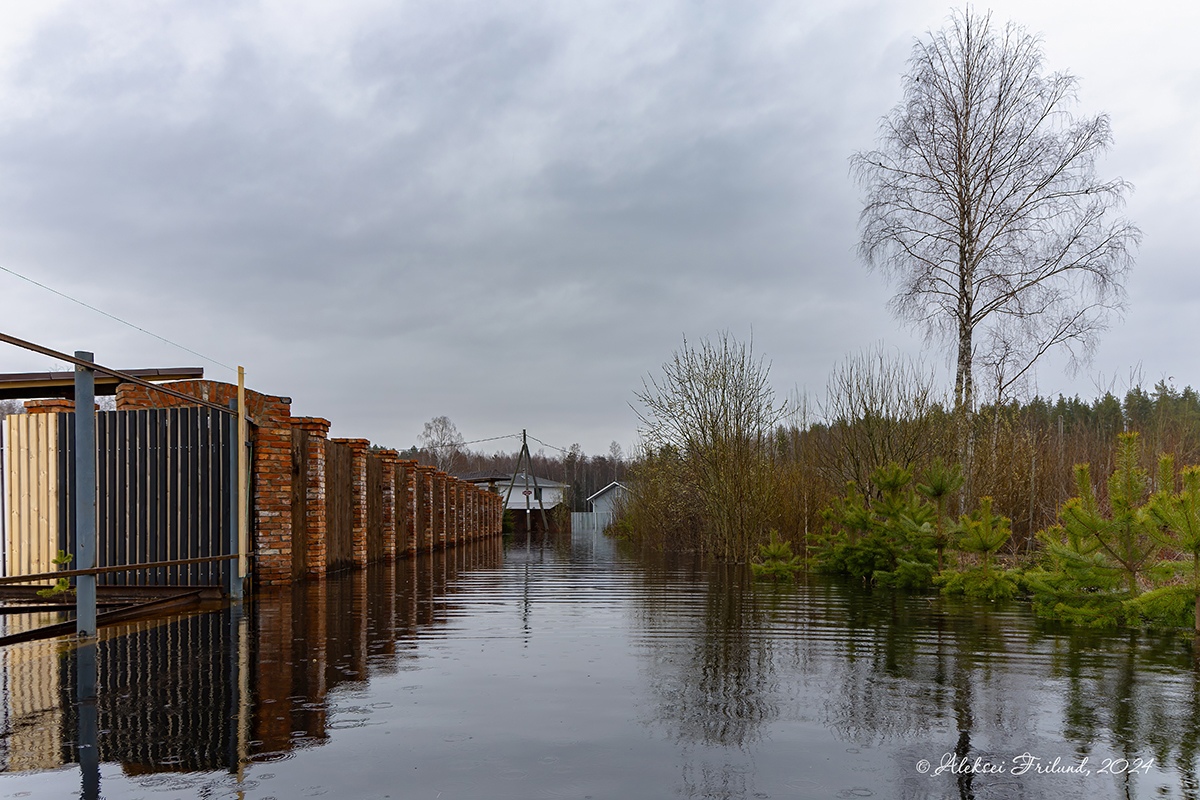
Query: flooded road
[566,670]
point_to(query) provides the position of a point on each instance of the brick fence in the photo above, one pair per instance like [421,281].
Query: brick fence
[397,507]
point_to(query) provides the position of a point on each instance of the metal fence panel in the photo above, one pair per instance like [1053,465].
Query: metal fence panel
[164,486]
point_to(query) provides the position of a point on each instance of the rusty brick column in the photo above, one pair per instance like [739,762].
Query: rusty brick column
[56,405]
[478,506]
[454,512]
[314,493]
[272,469]
[472,512]
[358,498]
[388,460]
[463,514]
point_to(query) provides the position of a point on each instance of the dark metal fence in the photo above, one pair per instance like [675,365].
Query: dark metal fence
[163,492]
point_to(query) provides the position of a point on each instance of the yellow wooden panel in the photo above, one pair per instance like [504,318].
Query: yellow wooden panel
[33,490]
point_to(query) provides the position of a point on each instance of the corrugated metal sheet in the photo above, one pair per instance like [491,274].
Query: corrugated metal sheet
[163,487]
[33,487]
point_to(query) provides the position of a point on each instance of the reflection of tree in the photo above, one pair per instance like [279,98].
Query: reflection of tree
[1189,743]
[1141,693]
[714,686]
[712,672]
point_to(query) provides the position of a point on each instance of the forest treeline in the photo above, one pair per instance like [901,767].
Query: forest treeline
[1024,458]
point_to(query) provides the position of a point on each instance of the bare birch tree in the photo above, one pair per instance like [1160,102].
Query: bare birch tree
[984,208]
[441,438]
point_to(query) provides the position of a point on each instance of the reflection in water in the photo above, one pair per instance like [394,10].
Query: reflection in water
[560,667]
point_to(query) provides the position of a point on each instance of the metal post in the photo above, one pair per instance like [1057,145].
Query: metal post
[85,494]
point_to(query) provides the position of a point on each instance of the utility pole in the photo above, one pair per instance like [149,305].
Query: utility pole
[525,458]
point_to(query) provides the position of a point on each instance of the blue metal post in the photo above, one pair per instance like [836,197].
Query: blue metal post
[85,495]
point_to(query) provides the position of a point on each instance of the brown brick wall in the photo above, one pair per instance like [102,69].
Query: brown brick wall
[422,508]
[388,459]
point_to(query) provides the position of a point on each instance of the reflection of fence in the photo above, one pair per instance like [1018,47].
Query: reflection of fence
[212,691]
[590,520]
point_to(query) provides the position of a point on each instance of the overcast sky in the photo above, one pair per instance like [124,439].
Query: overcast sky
[510,213]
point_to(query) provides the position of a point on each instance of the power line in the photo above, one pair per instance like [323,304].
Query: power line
[493,438]
[118,319]
[552,447]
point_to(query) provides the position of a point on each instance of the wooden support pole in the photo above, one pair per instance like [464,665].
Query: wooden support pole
[243,485]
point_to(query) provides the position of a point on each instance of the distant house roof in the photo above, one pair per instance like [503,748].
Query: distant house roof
[610,488]
[507,477]
[30,385]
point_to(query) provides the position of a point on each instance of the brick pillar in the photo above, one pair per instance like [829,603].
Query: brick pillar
[52,406]
[453,511]
[358,498]
[406,516]
[315,517]
[472,512]
[462,512]
[272,471]
[387,460]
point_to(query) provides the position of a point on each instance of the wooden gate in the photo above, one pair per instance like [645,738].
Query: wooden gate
[339,520]
[374,508]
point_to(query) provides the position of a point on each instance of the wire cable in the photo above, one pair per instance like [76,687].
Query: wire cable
[552,447]
[118,319]
[491,439]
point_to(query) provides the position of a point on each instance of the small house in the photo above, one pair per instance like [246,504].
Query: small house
[602,502]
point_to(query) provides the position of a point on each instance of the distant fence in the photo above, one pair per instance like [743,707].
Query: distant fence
[590,520]
[164,491]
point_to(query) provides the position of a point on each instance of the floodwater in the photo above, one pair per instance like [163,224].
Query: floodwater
[567,670]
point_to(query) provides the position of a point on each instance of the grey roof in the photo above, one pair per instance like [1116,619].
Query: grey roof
[507,477]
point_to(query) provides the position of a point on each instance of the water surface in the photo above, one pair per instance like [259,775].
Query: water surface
[566,670]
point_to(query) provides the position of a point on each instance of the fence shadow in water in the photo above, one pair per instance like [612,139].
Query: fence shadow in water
[215,691]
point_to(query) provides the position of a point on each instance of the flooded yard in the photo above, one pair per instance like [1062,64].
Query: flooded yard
[567,670]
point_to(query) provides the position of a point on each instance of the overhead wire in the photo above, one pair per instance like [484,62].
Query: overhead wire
[209,359]
[552,447]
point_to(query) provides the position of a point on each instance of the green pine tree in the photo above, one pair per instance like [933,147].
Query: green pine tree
[1178,522]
